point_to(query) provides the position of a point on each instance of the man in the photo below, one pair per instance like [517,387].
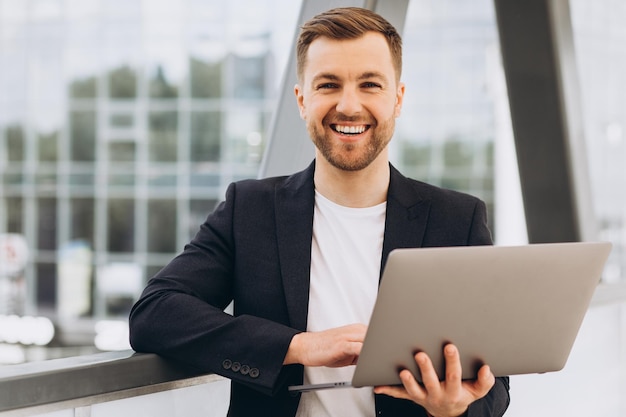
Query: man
[301,256]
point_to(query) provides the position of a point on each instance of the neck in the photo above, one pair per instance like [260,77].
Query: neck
[364,188]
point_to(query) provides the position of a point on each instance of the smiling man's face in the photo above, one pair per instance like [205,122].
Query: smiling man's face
[349,97]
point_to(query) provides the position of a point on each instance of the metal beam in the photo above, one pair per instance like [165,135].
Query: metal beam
[289,148]
[538,56]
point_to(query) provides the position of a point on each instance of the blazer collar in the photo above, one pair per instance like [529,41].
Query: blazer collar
[407,215]
[295,202]
[405,225]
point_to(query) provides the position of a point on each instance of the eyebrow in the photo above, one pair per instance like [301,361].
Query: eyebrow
[365,76]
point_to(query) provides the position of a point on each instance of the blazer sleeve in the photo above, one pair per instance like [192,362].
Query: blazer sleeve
[180,312]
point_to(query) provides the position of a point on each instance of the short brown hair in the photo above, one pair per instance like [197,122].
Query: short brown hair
[347,23]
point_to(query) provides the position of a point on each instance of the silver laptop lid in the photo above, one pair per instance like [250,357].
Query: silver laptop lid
[516,308]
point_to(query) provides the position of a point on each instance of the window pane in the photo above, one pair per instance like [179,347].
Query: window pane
[162,226]
[121,225]
[15,143]
[601,55]
[160,86]
[123,83]
[249,77]
[15,208]
[121,120]
[47,223]
[206,130]
[163,136]
[83,88]
[122,151]
[206,79]
[83,135]
[48,145]
[82,216]
[46,285]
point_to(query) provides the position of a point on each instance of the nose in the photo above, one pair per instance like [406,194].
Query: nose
[349,102]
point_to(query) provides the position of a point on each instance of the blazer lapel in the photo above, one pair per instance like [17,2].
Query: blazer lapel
[295,201]
[407,215]
[405,225]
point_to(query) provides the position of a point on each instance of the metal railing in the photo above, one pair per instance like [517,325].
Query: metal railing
[79,382]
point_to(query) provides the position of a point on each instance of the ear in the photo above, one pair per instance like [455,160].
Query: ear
[399,99]
[298,91]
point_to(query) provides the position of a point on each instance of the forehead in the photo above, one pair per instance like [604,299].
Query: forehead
[368,53]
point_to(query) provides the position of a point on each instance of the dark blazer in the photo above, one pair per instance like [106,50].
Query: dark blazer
[255,250]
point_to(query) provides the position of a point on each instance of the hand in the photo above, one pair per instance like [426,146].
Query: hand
[450,397]
[335,347]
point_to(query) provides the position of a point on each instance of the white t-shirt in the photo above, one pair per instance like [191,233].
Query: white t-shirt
[345,268]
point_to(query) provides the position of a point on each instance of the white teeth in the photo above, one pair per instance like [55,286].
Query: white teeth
[350,129]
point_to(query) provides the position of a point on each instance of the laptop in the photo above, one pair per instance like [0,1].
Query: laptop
[516,308]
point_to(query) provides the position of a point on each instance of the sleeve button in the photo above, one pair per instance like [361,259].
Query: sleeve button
[254,373]
[236,367]
[245,370]
[227,364]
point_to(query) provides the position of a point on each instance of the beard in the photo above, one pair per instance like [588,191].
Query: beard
[352,156]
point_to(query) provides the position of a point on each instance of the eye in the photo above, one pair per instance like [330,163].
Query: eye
[326,86]
[370,84]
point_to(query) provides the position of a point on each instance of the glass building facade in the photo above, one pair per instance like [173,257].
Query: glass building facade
[600,39]
[122,122]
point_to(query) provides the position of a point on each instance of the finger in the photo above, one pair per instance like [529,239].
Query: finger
[430,379]
[354,332]
[484,382]
[392,391]
[454,370]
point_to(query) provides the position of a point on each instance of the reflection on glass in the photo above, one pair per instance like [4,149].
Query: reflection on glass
[83,87]
[83,135]
[250,77]
[46,224]
[122,151]
[160,87]
[163,136]
[244,127]
[121,120]
[206,78]
[458,154]
[14,177]
[205,133]
[161,178]
[162,226]
[122,179]
[15,207]
[46,177]
[601,56]
[123,83]
[15,140]
[46,285]
[82,215]
[203,177]
[48,146]
[149,111]
[79,179]
[121,225]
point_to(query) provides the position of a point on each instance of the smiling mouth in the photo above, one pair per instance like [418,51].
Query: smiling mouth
[349,130]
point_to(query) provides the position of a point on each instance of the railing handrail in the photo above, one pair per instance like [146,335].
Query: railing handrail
[91,378]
